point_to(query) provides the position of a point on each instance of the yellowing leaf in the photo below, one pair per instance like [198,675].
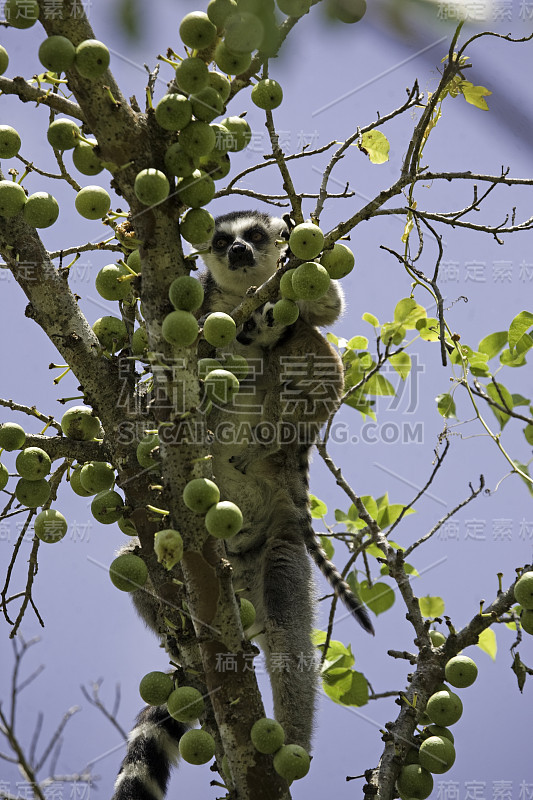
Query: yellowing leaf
[474,94]
[407,230]
[376,146]
[371,319]
[428,329]
[487,642]
[402,364]
[357,343]
[408,312]
[431,124]
[431,606]
[318,508]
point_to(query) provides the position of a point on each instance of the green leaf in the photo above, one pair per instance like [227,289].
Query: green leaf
[394,545]
[520,325]
[357,694]
[376,146]
[327,546]
[366,361]
[392,332]
[477,361]
[446,406]
[509,359]
[475,94]
[493,343]
[378,385]
[497,396]
[318,637]
[338,654]
[358,364]
[128,15]
[370,505]
[346,687]
[431,606]
[383,501]
[408,312]
[377,552]
[520,400]
[318,508]
[371,319]
[390,513]
[357,343]
[333,339]
[379,597]
[525,470]
[374,550]
[408,569]
[353,583]
[487,642]
[352,520]
[402,364]
[528,433]
[524,344]
[428,329]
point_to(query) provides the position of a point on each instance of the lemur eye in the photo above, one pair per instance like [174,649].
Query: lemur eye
[220,242]
[255,235]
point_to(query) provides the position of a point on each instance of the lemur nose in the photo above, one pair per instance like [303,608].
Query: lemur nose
[240,255]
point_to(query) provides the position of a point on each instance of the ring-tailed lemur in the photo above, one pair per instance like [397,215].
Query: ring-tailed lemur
[299,341]
[295,383]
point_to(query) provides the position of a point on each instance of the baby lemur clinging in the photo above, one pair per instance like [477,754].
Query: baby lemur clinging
[261,463]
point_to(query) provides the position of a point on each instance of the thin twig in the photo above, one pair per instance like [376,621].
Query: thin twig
[421,493]
[480,392]
[473,494]
[32,411]
[97,703]
[56,736]
[271,161]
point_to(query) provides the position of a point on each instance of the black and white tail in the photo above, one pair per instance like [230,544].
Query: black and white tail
[339,586]
[318,554]
[152,751]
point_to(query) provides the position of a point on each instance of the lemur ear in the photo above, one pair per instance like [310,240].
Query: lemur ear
[289,222]
[268,314]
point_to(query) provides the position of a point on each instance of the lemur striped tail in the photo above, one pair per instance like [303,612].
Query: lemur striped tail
[339,586]
[152,751]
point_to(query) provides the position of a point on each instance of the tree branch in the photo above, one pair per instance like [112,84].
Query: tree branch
[28,93]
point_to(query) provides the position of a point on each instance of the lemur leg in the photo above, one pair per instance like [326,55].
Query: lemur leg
[290,656]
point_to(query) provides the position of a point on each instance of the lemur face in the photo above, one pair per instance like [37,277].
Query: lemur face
[261,329]
[243,250]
